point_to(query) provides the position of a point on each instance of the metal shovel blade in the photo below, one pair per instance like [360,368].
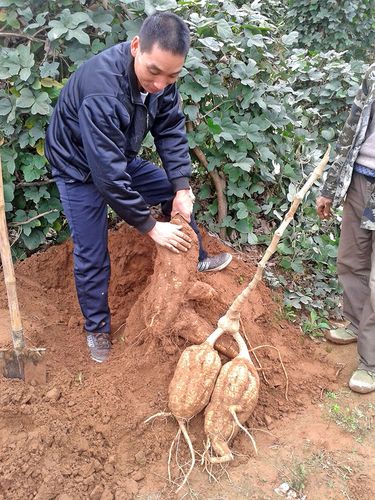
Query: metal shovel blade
[28,365]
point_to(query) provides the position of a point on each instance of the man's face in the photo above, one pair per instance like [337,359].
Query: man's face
[155,69]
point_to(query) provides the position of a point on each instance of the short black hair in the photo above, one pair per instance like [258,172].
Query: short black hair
[167,30]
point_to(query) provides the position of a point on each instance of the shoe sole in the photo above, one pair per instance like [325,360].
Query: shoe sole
[335,340]
[223,266]
[360,390]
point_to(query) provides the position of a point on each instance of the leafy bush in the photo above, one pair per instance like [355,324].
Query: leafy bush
[259,110]
[45,43]
[342,25]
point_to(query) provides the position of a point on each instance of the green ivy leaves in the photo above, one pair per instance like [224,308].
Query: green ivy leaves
[261,94]
[38,104]
[71,25]
[16,62]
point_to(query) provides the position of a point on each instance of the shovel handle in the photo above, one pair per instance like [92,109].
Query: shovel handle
[9,276]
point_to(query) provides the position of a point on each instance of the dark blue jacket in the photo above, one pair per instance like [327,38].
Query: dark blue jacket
[98,126]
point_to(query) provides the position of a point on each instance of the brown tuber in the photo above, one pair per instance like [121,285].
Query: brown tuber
[194,379]
[191,386]
[232,402]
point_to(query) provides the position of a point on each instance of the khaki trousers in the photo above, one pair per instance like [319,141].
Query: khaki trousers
[356,271]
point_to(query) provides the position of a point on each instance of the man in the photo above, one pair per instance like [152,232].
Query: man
[353,175]
[97,128]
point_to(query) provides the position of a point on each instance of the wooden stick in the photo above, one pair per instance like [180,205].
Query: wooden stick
[230,321]
[9,276]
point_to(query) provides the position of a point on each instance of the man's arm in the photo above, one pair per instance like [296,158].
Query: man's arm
[173,148]
[103,121]
[171,141]
[345,140]
[183,203]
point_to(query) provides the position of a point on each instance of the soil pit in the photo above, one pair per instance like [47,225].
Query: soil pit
[83,434]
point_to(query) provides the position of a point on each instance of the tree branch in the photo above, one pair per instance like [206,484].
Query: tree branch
[21,35]
[217,179]
[21,223]
[34,184]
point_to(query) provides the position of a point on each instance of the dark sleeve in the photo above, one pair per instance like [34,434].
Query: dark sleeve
[171,140]
[103,122]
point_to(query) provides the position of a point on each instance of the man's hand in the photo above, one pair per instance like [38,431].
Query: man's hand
[323,207]
[170,236]
[183,204]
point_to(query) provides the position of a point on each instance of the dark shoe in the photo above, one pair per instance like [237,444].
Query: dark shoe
[341,336]
[215,263]
[99,346]
[362,381]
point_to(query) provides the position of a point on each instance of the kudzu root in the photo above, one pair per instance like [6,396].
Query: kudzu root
[194,379]
[232,402]
[191,386]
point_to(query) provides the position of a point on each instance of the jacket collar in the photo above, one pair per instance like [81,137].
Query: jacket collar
[133,82]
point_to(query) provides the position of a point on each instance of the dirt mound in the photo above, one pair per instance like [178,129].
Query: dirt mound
[83,434]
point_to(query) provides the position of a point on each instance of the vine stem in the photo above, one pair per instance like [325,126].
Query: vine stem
[21,223]
[7,34]
[35,183]
[217,179]
[230,322]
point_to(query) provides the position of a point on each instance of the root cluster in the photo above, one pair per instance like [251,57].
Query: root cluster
[228,393]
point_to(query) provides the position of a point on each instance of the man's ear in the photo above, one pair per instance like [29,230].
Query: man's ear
[135,46]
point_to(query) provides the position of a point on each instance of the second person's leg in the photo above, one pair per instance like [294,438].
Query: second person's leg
[354,256]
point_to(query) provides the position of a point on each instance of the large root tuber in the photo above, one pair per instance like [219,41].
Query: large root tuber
[192,384]
[159,305]
[194,379]
[191,387]
[237,387]
[233,400]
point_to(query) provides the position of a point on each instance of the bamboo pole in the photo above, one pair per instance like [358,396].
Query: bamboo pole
[230,322]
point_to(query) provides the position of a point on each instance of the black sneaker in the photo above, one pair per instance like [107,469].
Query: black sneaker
[99,346]
[215,263]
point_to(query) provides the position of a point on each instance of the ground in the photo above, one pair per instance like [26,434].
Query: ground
[82,434]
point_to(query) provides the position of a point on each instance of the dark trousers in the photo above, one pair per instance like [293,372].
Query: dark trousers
[86,213]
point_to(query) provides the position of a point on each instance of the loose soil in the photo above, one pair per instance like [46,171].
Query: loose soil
[83,436]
